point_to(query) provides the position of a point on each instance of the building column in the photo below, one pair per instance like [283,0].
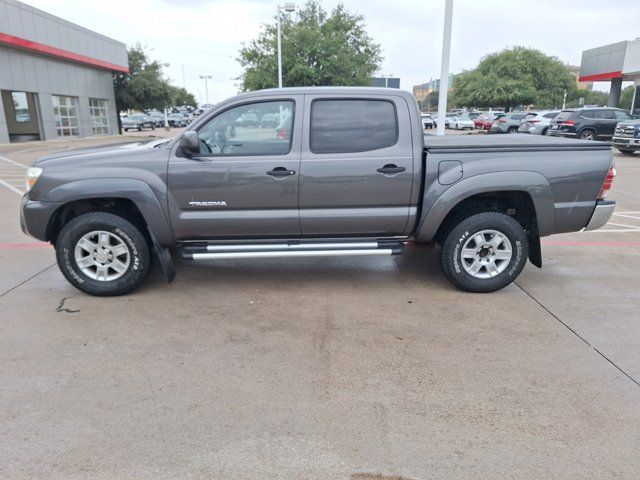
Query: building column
[614,93]
[4,131]
[48,129]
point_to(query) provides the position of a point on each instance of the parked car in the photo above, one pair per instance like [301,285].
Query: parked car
[461,122]
[157,118]
[626,137]
[327,187]
[269,120]
[427,121]
[587,123]
[137,121]
[247,120]
[484,121]
[507,123]
[176,120]
[537,123]
[473,115]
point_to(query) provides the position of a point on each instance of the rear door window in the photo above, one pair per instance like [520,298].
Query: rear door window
[349,125]
[550,115]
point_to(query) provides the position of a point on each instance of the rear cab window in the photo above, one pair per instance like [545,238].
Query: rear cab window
[352,125]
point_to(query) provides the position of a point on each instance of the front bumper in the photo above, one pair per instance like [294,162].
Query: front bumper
[601,214]
[626,142]
[35,217]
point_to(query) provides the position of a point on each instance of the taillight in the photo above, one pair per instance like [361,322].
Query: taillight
[281,133]
[533,121]
[608,182]
[569,123]
[502,120]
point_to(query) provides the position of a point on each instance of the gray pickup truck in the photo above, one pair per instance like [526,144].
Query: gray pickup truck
[334,171]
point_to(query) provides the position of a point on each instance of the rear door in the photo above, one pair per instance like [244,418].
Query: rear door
[244,180]
[606,123]
[357,166]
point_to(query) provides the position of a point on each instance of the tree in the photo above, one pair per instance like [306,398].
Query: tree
[144,88]
[512,77]
[317,49]
[627,96]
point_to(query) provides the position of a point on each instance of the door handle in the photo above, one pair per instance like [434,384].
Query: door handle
[390,168]
[281,172]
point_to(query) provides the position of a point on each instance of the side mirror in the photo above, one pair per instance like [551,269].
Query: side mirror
[189,142]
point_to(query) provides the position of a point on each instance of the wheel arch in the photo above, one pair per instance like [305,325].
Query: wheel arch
[525,195]
[130,198]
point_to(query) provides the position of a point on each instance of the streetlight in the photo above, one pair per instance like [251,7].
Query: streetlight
[287,7]
[444,68]
[206,88]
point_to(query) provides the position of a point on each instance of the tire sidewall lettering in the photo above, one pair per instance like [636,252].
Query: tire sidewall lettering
[68,265]
[456,251]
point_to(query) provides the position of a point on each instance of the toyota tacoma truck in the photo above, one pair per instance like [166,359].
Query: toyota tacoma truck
[343,171]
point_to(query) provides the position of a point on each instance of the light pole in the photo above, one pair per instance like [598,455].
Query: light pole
[206,88]
[444,70]
[287,7]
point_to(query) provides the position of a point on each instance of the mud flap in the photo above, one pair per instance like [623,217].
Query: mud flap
[164,257]
[535,250]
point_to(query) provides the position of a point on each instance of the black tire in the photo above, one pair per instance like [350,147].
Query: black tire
[126,129]
[544,131]
[587,134]
[138,251]
[451,259]
[626,151]
[512,130]
[139,128]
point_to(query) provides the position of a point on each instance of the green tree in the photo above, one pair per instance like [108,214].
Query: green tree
[143,88]
[317,49]
[512,77]
[626,97]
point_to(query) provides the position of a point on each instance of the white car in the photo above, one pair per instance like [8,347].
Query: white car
[460,123]
[427,121]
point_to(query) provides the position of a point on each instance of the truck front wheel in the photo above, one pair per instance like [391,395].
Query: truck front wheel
[103,254]
[484,252]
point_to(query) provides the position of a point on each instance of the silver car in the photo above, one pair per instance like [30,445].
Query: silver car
[507,123]
[537,123]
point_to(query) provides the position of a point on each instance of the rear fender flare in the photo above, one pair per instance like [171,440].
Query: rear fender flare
[533,183]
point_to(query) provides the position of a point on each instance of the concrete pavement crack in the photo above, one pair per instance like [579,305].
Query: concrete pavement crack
[578,335]
[25,281]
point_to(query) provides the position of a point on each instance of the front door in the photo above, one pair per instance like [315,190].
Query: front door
[357,166]
[244,180]
[21,115]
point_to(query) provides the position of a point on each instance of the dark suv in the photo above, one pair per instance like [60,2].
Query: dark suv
[587,123]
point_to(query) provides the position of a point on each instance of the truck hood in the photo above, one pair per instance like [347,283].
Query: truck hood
[89,155]
[630,122]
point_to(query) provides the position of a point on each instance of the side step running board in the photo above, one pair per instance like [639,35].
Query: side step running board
[279,250]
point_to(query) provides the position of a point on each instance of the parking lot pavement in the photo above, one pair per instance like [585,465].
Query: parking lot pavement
[357,368]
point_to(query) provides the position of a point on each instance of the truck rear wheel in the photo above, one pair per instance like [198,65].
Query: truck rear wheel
[103,254]
[484,252]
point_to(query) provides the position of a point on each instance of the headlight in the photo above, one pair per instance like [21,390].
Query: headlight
[31,178]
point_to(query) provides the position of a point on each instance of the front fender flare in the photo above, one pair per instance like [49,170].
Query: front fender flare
[139,192]
[533,183]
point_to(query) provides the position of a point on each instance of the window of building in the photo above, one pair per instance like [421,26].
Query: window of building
[65,111]
[263,128]
[99,116]
[349,126]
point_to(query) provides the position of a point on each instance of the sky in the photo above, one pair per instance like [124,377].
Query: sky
[203,37]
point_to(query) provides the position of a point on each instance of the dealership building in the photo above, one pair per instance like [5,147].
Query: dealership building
[55,77]
[613,63]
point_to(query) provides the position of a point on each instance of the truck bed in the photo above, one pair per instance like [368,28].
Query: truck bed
[508,142]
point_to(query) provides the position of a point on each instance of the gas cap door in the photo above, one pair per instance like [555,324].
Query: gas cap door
[449,171]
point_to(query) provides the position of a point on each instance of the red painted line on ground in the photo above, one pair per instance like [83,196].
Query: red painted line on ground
[23,246]
[590,244]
